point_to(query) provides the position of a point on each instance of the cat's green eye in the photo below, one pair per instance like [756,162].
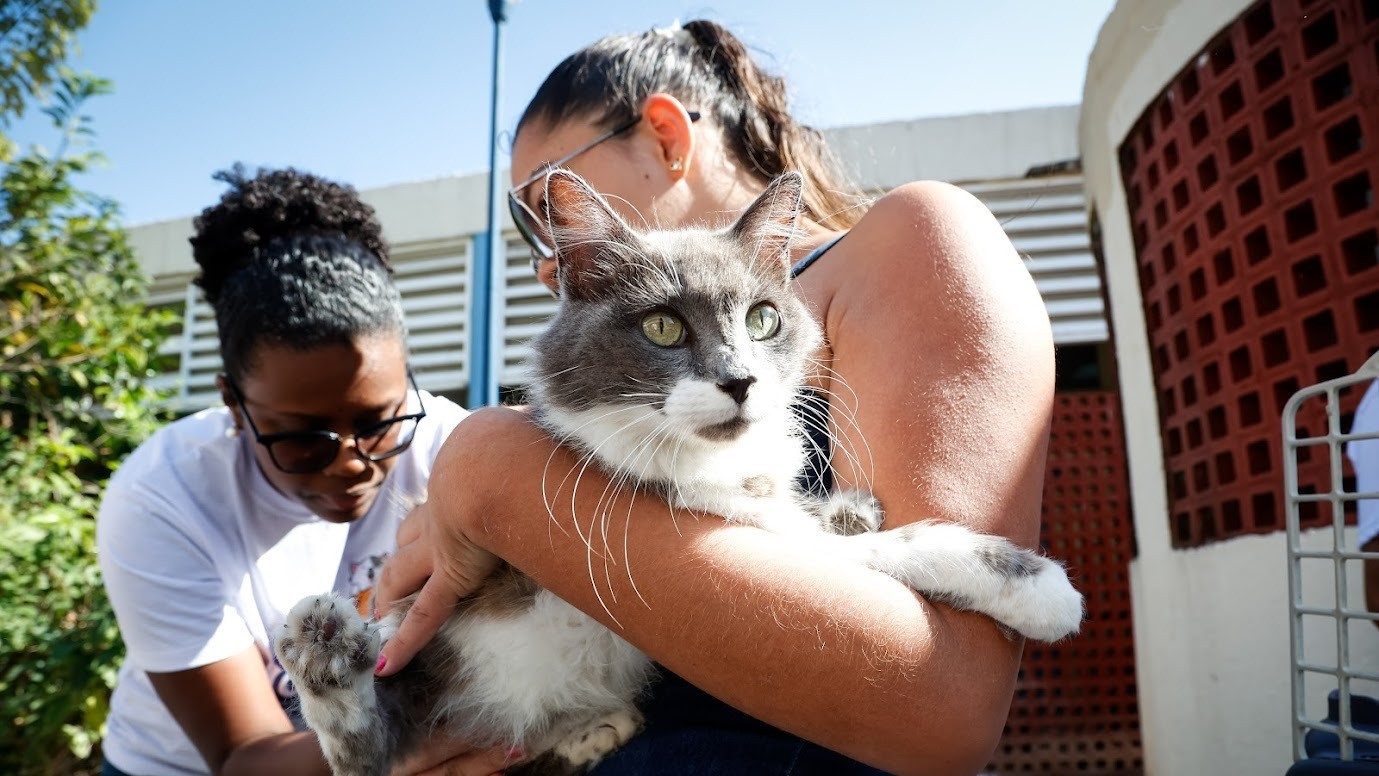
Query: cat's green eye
[663,329]
[763,321]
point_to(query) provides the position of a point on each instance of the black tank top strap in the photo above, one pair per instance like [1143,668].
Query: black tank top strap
[814,255]
[811,408]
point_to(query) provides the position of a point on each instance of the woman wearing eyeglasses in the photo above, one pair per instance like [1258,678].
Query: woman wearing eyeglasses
[220,522]
[773,662]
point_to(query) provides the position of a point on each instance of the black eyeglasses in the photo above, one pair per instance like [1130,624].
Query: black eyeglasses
[307,452]
[531,225]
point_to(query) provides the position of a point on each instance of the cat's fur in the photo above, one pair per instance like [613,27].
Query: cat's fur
[704,423]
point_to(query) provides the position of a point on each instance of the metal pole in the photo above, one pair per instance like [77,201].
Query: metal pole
[485,358]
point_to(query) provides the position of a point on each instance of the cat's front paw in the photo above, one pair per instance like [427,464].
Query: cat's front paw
[325,643]
[1045,606]
[852,512]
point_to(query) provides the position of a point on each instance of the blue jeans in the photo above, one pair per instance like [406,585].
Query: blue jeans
[690,733]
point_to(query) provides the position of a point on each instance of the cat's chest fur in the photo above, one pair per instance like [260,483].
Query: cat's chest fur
[749,480]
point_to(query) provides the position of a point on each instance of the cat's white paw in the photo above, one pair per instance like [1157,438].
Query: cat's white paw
[590,744]
[1042,605]
[325,643]
[852,512]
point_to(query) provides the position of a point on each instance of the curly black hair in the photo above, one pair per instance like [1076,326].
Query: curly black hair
[294,259]
[272,205]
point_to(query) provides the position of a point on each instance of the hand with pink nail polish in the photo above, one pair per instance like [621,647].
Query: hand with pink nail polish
[444,756]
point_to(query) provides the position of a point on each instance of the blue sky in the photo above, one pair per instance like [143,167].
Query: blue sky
[375,93]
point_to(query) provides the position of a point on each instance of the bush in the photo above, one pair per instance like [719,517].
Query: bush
[76,351]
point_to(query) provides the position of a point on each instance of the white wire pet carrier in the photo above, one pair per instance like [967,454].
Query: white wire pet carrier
[1322,662]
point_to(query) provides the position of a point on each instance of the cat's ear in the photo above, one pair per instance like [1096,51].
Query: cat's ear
[592,243]
[770,224]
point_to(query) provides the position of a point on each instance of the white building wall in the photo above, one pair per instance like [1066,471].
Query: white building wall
[1211,624]
[432,224]
[958,149]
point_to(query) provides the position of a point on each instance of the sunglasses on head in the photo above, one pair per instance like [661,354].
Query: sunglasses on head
[529,223]
[307,452]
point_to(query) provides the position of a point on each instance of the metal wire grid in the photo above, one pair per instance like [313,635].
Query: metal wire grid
[1343,673]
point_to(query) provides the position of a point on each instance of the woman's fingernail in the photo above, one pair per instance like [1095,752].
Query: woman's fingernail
[382,663]
[515,753]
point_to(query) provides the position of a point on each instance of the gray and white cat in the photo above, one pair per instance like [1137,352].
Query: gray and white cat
[672,363]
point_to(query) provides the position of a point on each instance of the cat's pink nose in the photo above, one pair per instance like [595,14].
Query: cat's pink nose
[737,388]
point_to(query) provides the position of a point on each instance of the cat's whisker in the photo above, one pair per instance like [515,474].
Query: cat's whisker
[574,492]
[599,513]
[660,272]
[622,472]
[671,276]
[630,207]
[540,379]
[582,464]
[840,443]
[848,409]
[546,498]
[860,204]
[565,440]
[663,432]
[835,376]
[846,441]
[839,406]
[817,464]
[620,475]
[674,485]
[588,539]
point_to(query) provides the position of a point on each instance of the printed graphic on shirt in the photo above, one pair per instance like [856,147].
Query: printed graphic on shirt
[363,574]
[278,680]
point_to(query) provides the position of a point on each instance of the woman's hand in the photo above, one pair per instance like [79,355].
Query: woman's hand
[443,756]
[433,556]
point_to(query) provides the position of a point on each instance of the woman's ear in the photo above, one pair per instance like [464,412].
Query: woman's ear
[226,395]
[673,129]
[546,273]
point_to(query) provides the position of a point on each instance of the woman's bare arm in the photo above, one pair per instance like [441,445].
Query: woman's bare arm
[230,713]
[948,344]
[941,333]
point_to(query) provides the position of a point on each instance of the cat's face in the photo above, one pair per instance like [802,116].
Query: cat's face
[697,333]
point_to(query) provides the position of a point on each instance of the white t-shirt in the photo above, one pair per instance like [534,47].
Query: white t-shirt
[1364,458]
[203,557]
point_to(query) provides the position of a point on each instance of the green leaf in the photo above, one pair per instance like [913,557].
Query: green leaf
[76,347]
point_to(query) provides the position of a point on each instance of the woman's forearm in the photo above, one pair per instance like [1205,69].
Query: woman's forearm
[286,753]
[835,653]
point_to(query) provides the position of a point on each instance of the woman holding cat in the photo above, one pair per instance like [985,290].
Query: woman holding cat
[929,318]
[215,526]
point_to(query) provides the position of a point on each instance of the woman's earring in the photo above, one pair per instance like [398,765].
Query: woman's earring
[232,432]
[678,164]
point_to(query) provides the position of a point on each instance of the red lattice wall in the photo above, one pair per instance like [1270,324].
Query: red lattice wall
[1250,184]
[1075,708]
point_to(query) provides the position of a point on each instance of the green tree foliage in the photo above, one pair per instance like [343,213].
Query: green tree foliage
[76,350]
[34,38]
